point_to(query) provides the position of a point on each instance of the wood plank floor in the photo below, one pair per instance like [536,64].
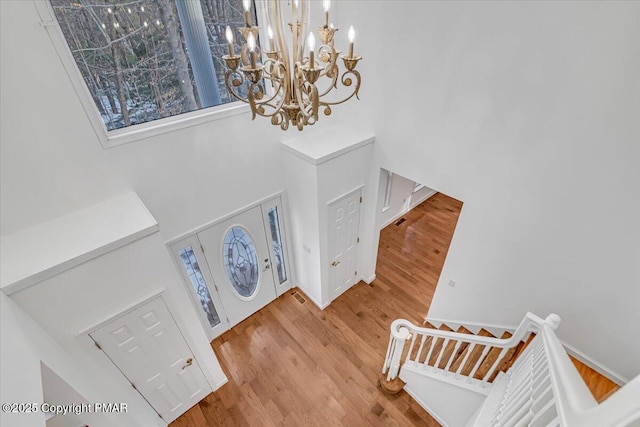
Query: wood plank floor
[293,364]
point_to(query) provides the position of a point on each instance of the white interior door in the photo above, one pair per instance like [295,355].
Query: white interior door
[238,256]
[149,349]
[344,222]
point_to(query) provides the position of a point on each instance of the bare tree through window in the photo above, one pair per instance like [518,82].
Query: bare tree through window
[134,58]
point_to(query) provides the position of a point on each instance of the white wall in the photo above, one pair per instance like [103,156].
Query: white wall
[401,189]
[97,290]
[24,344]
[402,199]
[337,178]
[528,113]
[310,188]
[302,198]
[53,163]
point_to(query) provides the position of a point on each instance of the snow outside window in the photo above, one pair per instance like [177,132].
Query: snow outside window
[145,60]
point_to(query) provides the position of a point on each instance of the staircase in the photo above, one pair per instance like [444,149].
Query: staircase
[499,378]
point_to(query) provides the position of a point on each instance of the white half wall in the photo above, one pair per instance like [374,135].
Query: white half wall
[527,112]
[450,404]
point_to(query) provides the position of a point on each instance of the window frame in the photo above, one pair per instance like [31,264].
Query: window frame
[113,138]
[386,203]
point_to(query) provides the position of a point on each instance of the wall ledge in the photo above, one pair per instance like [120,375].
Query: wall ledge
[44,250]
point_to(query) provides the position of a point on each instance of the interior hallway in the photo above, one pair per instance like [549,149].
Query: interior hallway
[293,364]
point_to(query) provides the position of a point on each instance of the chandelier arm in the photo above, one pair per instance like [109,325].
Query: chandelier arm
[344,79]
[327,54]
[333,85]
[229,83]
[300,85]
[282,46]
[285,86]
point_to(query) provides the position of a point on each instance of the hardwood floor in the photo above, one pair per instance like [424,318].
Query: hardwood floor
[293,364]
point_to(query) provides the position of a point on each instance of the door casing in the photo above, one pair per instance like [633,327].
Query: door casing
[93,331]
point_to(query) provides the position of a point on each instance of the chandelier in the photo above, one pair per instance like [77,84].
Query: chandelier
[290,81]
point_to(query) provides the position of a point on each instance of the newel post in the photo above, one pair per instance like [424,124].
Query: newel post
[553,321]
[397,340]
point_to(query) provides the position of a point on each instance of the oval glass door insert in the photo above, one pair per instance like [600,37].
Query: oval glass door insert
[241,261]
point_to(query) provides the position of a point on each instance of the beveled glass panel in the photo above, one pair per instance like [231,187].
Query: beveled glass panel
[241,261]
[197,280]
[276,241]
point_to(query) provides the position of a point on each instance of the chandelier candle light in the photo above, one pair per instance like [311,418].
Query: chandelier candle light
[285,85]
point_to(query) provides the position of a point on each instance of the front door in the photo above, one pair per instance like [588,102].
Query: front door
[238,255]
[149,349]
[344,221]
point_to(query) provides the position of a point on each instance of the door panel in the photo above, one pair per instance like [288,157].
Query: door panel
[193,267]
[344,220]
[149,349]
[238,256]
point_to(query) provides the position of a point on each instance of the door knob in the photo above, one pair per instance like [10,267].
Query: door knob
[189,362]
[335,263]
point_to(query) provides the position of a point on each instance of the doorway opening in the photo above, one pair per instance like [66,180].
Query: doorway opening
[416,228]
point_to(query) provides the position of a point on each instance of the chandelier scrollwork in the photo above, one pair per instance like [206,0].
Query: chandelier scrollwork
[290,81]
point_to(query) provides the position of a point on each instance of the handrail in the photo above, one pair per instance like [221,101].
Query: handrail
[572,394]
[402,329]
[543,386]
[530,323]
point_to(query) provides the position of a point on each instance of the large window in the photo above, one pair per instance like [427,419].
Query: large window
[144,60]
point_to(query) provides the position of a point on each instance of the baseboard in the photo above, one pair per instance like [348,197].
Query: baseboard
[404,211]
[425,407]
[596,366]
[369,280]
[422,199]
[310,298]
[472,326]
[393,219]
[221,383]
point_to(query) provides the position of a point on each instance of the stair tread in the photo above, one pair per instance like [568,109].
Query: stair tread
[490,358]
[448,351]
[473,357]
[428,325]
[437,345]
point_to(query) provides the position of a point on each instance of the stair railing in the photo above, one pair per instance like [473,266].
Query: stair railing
[434,342]
[542,387]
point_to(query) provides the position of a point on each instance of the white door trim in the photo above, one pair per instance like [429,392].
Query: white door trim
[218,220]
[281,288]
[129,309]
[160,296]
[353,190]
